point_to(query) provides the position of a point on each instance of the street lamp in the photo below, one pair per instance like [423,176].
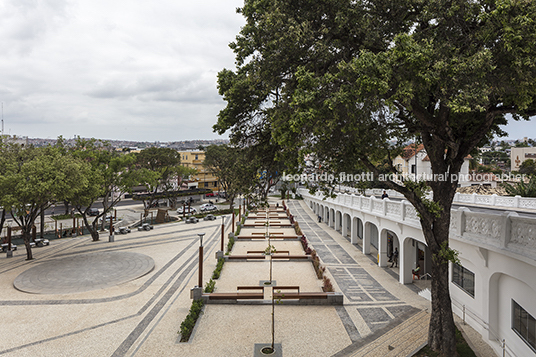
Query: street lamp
[222,231]
[200,281]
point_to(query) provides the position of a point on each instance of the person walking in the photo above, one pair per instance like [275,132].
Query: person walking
[395,258]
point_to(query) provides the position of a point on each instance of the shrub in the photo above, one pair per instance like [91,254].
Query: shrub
[219,267]
[187,326]
[316,264]
[298,229]
[209,287]
[327,284]
[230,244]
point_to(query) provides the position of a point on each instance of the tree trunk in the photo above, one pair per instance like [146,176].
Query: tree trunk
[441,334]
[92,228]
[2,220]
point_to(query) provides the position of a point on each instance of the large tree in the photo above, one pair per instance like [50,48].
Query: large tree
[160,170]
[35,178]
[234,169]
[110,174]
[354,81]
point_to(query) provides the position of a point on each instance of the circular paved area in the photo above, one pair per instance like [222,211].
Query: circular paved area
[84,272]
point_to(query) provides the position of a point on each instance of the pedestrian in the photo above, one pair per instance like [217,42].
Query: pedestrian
[319,219]
[395,258]
[385,195]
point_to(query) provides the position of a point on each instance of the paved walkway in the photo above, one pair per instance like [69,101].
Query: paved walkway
[141,316]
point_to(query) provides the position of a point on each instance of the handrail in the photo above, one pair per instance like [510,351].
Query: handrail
[485,325]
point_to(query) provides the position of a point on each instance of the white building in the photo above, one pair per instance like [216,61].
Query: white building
[518,155]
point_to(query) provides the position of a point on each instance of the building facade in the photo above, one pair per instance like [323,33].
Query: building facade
[204,178]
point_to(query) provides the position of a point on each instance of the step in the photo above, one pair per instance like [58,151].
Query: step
[402,340]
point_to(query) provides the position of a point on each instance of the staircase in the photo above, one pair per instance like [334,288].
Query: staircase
[403,340]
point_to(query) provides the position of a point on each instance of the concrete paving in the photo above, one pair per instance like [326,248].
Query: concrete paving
[141,316]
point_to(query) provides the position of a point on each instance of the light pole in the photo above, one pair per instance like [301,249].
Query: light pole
[200,280]
[222,230]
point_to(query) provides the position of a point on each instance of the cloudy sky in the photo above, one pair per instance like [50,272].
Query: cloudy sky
[135,70]
[117,69]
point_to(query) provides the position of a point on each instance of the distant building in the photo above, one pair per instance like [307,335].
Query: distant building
[203,178]
[414,162]
[518,155]
[20,140]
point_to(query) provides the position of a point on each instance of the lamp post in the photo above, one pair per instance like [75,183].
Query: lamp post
[232,220]
[239,209]
[200,280]
[222,230]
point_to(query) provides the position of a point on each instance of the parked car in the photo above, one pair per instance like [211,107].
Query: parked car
[93,212]
[208,207]
[192,210]
[209,217]
[210,194]
[40,242]
[192,220]
[145,227]
[124,230]
[4,247]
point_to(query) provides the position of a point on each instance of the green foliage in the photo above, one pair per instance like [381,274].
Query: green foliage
[420,188]
[187,326]
[156,169]
[447,254]
[219,267]
[521,188]
[209,286]
[528,167]
[269,250]
[59,217]
[230,244]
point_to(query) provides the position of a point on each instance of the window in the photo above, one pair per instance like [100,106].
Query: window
[524,325]
[412,169]
[464,278]
[196,157]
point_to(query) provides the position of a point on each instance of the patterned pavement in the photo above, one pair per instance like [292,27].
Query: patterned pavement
[366,299]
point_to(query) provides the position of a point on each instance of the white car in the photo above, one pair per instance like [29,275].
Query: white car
[208,207]
[191,210]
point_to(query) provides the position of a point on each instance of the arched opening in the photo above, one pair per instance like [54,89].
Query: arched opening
[370,239]
[338,222]
[415,254]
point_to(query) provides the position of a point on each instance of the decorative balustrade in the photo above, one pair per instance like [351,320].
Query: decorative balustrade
[481,200]
[500,231]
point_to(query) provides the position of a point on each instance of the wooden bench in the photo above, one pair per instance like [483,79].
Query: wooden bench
[246,256]
[297,256]
[239,295]
[296,295]
[263,252]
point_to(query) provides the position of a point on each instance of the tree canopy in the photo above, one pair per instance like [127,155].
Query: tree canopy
[353,81]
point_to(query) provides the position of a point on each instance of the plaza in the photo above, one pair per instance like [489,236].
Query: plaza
[106,312]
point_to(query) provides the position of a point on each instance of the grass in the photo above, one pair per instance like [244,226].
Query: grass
[462,348]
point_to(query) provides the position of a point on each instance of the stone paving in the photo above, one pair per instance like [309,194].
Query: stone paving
[84,272]
[140,316]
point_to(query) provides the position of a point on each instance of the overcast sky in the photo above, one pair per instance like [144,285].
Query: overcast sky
[117,69]
[114,69]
